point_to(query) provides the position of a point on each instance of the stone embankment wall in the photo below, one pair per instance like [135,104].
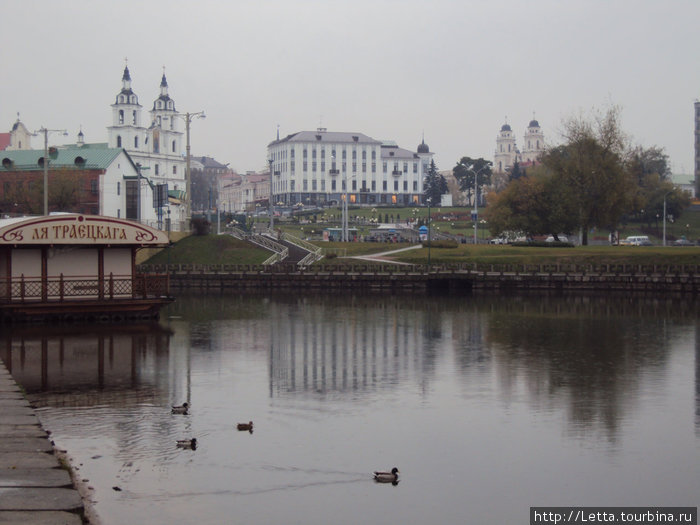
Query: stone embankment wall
[683,279]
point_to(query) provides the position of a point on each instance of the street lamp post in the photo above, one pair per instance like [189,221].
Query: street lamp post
[46,162]
[664,237]
[429,200]
[475,211]
[269,200]
[188,178]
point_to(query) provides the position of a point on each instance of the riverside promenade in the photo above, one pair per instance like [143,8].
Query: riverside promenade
[34,489]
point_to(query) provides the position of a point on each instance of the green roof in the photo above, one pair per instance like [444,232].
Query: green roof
[94,156]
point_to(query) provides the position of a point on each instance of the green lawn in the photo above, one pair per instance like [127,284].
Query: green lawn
[210,249]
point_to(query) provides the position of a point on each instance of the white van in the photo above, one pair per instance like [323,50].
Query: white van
[636,240]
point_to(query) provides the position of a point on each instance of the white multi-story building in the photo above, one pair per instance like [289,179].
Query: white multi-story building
[319,167]
[155,145]
[507,153]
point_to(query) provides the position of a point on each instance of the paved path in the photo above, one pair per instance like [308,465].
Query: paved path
[382,257]
[34,489]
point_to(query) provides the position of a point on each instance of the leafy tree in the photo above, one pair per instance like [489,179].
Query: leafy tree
[435,185]
[591,167]
[532,205]
[465,171]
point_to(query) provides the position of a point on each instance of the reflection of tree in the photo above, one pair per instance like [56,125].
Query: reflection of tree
[595,364]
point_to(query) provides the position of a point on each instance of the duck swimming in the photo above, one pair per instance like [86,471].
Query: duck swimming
[246,426]
[187,443]
[387,477]
[182,409]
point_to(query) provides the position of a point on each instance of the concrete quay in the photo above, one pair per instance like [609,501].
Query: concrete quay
[34,489]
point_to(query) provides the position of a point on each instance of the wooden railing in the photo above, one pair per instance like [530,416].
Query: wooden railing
[61,288]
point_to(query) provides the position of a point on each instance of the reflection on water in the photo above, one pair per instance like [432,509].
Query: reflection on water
[500,393]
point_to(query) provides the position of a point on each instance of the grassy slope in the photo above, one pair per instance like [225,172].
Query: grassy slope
[211,249]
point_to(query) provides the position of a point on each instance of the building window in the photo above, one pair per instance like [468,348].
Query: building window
[313,185]
[119,213]
[405,185]
[291,153]
[396,185]
[384,186]
[415,185]
[121,116]
[323,166]
[364,167]
[157,169]
[354,185]
[374,186]
[354,166]
[415,167]
[292,185]
[292,164]
[313,164]
[133,117]
[305,153]
[119,188]
[136,142]
[333,185]
[306,185]
[323,184]
[313,153]
[384,166]
[119,141]
[306,166]
[374,155]
[354,154]
[173,146]
[174,170]
[94,187]
[364,154]
[405,167]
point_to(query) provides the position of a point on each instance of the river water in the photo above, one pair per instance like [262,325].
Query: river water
[487,405]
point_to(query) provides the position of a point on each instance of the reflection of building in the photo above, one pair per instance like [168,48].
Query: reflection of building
[79,360]
[354,352]
[314,166]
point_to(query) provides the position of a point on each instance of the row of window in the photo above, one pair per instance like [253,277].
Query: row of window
[397,168]
[156,144]
[334,186]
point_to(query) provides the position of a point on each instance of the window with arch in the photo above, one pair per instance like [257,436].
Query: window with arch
[119,188]
[133,117]
[119,141]
[136,142]
[173,146]
[121,116]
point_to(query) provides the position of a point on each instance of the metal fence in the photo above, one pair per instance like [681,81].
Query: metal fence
[62,288]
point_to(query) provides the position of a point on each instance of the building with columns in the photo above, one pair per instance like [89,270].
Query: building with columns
[507,152]
[319,167]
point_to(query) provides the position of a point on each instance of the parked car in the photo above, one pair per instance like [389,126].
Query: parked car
[562,238]
[636,240]
[498,240]
[683,242]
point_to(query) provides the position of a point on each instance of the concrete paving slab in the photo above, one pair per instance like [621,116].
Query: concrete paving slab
[26,444]
[56,477]
[20,419]
[43,517]
[40,499]
[20,431]
[12,460]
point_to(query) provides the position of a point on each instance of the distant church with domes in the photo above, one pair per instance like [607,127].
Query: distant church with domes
[507,152]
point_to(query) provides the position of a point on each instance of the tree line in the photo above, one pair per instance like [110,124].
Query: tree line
[594,179]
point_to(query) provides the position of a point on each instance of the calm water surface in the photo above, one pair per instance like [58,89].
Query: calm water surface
[487,405]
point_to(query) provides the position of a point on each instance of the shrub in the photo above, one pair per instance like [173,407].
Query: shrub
[440,244]
[200,226]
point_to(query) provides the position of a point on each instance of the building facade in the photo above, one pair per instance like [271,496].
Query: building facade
[320,167]
[154,142]
[697,148]
[507,152]
[18,138]
[83,178]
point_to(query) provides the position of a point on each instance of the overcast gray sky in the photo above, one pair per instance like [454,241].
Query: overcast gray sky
[392,69]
